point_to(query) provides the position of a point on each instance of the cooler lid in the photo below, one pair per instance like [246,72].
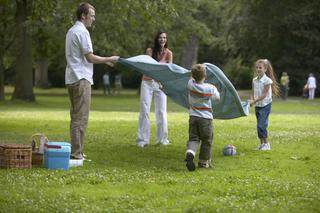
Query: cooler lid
[56,145]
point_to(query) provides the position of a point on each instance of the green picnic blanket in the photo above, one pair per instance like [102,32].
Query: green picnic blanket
[174,81]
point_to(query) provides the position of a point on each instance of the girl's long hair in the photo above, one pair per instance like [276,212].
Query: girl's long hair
[157,47]
[271,74]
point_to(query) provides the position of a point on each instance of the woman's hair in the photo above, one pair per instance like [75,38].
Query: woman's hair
[198,72]
[156,46]
[83,8]
[270,73]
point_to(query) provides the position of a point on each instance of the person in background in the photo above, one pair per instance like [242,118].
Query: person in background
[78,75]
[106,84]
[117,83]
[311,85]
[284,84]
[200,98]
[263,87]
[149,87]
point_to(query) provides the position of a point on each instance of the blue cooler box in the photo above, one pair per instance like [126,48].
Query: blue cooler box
[57,155]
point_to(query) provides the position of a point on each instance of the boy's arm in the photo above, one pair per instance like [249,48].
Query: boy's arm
[189,84]
[216,94]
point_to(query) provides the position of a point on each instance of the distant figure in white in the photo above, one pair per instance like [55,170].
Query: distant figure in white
[311,85]
[106,84]
[117,83]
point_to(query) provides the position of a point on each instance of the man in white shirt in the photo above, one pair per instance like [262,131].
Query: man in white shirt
[78,76]
[312,85]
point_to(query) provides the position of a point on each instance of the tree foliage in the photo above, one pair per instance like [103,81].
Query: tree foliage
[7,35]
[286,32]
[231,34]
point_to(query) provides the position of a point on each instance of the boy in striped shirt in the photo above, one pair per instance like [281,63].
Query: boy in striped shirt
[201,96]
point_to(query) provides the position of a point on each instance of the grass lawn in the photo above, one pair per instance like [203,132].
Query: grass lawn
[124,178]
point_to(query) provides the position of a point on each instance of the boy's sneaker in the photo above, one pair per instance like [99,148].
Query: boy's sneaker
[265,147]
[204,165]
[190,164]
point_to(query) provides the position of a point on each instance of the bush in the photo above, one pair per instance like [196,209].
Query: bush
[239,75]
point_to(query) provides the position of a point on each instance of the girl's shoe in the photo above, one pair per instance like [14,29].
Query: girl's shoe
[265,147]
[259,147]
[269,146]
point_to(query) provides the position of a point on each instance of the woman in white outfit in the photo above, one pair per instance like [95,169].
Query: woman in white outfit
[149,88]
[311,84]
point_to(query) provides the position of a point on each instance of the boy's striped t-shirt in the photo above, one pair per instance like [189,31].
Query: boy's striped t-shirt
[200,98]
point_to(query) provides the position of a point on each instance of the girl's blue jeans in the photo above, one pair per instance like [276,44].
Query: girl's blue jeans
[262,114]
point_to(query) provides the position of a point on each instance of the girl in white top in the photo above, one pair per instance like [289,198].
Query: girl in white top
[311,84]
[263,87]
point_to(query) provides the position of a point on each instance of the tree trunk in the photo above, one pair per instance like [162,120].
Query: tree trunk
[2,49]
[41,74]
[1,79]
[190,53]
[24,78]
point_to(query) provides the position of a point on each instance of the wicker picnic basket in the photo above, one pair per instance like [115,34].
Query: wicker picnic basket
[38,141]
[15,156]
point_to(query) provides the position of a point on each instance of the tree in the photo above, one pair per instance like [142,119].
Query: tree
[6,41]
[24,78]
[125,28]
[128,27]
[49,19]
[190,53]
[286,32]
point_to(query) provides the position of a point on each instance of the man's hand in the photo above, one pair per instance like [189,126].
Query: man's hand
[112,60]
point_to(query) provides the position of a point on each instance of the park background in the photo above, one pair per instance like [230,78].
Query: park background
[123,178]
[229,34]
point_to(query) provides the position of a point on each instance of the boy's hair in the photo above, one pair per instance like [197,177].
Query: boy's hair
[198,72]
[83,8]
[271,74]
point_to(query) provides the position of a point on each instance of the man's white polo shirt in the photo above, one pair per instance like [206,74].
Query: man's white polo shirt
[78,43]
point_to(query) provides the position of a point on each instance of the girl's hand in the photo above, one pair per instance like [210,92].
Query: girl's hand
[251,102]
